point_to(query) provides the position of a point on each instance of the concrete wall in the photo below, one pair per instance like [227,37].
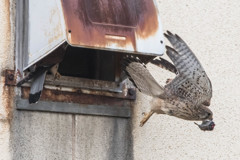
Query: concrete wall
[59,136]
[6,62]
[211,28]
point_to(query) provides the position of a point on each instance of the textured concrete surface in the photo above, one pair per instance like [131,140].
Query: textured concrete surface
[38,136]
[6,62]
[211,28]
[103,138]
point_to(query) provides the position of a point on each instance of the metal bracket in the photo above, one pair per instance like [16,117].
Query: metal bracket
[10,77]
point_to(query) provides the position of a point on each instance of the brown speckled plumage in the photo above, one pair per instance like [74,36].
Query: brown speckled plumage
[187,96]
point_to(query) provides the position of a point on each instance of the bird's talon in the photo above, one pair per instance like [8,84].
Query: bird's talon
[168,80]
[57,76]
[143,121]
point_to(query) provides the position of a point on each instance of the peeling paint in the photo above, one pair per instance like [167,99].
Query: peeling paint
[79,96]
[8,95]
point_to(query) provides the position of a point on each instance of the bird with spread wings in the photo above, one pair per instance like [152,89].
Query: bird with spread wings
[187,96]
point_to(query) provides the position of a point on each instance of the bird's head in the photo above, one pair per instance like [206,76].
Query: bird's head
[204,113]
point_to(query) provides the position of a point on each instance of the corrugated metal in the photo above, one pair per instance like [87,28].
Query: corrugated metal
[121,25]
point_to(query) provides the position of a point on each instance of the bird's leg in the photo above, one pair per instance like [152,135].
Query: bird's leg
[54,71]
[146,117]
[57,75]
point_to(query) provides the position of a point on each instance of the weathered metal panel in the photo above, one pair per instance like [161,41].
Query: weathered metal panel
[74,108]
[46,29]
[21,33]
[131,26]
[120,25]
[77,97]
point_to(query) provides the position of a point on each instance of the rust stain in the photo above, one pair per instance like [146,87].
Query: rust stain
[88,22]
[8,91]
[75,97]
[10,77]
[53,36]
[7,99]
[148,23]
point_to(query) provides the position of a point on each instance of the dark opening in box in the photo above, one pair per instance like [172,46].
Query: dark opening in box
[91,64]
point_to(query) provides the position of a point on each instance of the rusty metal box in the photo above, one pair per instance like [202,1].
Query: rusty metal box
[130,26]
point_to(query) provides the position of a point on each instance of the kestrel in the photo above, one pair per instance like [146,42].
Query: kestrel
[187,96]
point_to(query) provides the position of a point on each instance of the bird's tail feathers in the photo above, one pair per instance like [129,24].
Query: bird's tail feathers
[37,87]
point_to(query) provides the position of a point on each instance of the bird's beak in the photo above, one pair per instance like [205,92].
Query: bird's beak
[196,123]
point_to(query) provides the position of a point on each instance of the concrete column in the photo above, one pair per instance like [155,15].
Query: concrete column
[6,62]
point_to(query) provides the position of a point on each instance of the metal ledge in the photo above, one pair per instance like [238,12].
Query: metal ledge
[84,83]
[89,86]
[74,108]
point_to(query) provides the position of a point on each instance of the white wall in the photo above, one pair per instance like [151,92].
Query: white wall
[211,28]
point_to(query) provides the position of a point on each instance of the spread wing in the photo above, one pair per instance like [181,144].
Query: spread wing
[192,82]
[141,77]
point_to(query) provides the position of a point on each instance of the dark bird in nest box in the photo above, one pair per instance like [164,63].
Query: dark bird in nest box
[38,71]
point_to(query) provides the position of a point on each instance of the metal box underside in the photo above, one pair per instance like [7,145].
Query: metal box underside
[127,26]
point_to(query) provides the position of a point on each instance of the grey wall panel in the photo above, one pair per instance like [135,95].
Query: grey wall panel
[103,138]
[41,136]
